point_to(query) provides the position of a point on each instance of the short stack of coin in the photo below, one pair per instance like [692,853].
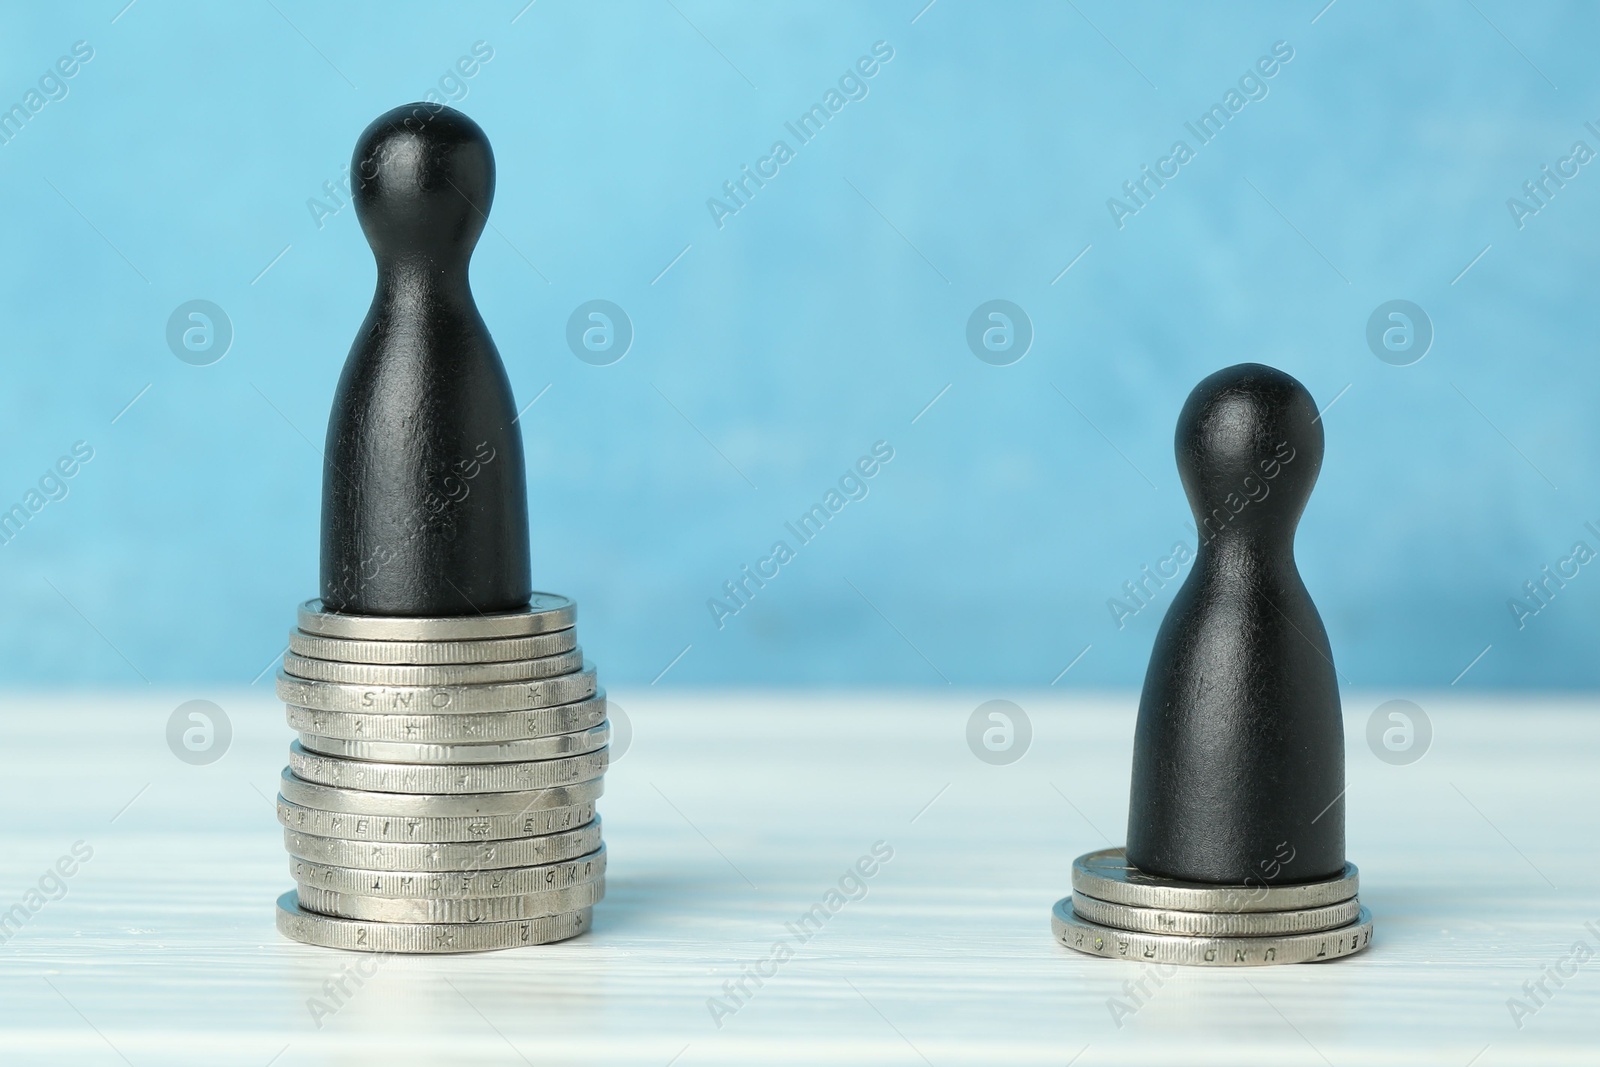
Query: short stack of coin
[441,797]
[1121,912]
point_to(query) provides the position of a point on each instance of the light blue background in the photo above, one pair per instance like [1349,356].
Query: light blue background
[820,319]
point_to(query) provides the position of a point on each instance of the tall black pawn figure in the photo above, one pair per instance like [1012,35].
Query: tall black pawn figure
[424,502]
[1238,755]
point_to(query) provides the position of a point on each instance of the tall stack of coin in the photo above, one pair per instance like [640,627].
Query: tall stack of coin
[1119,911]
[441,797]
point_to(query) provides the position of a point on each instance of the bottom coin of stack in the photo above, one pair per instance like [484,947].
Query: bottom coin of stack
[441,797]
[1121,912]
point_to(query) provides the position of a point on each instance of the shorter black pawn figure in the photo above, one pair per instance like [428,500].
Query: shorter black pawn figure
[424,502]
[1238,762]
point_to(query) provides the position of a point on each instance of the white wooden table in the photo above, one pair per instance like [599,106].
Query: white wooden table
[728,818]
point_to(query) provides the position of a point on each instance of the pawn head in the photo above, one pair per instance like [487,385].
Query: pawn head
[1249,446]
[423,180]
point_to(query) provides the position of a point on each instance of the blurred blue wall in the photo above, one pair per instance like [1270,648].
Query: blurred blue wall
[198,154]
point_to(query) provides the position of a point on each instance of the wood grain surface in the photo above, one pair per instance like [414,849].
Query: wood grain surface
[730,817]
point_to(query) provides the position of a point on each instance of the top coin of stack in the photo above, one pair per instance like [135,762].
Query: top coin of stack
[441,797]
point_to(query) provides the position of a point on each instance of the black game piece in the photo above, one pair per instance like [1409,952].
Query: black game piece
[1239,752]
[424,505]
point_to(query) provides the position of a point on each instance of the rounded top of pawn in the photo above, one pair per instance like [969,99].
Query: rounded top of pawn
[423,180]
[1249,446]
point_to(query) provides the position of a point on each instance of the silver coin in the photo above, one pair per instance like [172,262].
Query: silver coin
[460,910]
[539,748]
[489,650]
[1105,875]
[545,612]
[297,790]
[328,931]
[1215,924]
[474,727]
[520,670]
[425,830]
[380,855]
[1078,933]
[441,885]
[437,699]
[452,778]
